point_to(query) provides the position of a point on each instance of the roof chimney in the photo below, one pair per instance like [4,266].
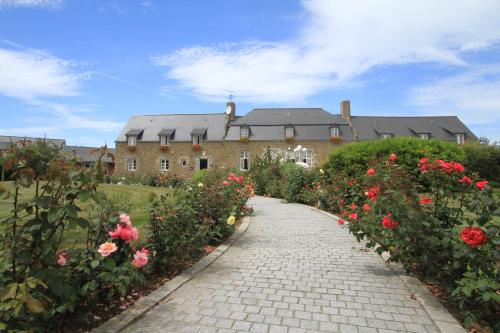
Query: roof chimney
[231,111]
[345,110]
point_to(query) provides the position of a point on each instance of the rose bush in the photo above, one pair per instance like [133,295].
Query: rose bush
[438,221]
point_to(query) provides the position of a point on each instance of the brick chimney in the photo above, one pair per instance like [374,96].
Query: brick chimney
[345,110]
[231,111]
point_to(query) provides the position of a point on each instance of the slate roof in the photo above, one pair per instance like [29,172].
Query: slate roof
[7,141]
[293,116]
[440,128]
[183,124]
[310,124]
[86,154]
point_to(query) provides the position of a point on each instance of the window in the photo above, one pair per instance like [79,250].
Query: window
[197,140]
[307,157]
[334,132]
[244,161]
[184,163]
[289,133]
[460,138]
[164,140]
[164,165]
[244,133]
[424,136]
[131,140]
[290,156]
[131,164]
[385,135]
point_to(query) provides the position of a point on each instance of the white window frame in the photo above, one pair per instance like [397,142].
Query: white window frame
[132,140]
[289,132]
[334,132]
[244,156]
[423,136]
[290,156]
[244,132]
[164,164]
[460,137]
[197,140]
[385,136]
[132,164]
[307,157]
[164,140]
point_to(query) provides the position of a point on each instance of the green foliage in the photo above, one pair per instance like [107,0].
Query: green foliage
[483,159]
[266,173]
[353,158]
[196,214]
[295,176]
[41,281]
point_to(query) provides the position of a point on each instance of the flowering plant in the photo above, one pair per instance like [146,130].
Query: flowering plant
[335,140]
[196,147]
[164,147]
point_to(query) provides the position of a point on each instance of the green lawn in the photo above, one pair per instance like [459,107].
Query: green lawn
[137,197]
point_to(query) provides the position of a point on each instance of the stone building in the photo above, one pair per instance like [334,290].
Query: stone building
[181,144]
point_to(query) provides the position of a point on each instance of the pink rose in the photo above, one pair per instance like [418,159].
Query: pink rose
[125,219]
[126,233]
[140,258]
[393,157]
[226,183]
[341,222]
[107,248]
[371,172]
[62,259]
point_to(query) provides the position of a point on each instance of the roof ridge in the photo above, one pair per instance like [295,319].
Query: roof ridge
[178,114]
[404,116]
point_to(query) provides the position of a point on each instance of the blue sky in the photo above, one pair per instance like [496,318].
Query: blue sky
[78,69]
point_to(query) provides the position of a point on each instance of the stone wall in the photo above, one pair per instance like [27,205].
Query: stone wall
[224,154]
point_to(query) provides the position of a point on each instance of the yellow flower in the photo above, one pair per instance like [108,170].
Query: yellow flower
[200,184]
[321,171]
[231,220]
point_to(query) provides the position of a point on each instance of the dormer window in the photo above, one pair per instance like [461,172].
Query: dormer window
[334,132]
[385,135]
[164,140]
[197,135]
[423,136]
[197,140]
[289,133]
[244,133]
[460,137]
[132,136]
[132,140]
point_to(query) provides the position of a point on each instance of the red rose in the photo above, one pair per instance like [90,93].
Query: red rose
[473,236]
[351,182]
[372,193]
[425,200]
[388,223]
[344,213]
[353,216]
[481,184]
[371,172]
[424,160]
[341,222]
[465,180]
[393,157]
[354,206]
[367,207]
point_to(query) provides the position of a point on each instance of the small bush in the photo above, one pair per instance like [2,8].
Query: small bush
[266,173]
[483,159]
[295,177]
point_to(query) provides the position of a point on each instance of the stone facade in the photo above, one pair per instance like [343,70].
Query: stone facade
[183,160]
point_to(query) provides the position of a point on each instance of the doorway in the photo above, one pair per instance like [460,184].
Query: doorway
[203,164]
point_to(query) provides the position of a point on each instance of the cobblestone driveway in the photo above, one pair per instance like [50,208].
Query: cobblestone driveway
[294,270]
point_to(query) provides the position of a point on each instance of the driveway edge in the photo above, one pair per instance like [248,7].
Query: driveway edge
[442,318]
[146,303]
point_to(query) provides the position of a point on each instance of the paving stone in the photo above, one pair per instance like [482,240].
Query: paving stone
[295,270]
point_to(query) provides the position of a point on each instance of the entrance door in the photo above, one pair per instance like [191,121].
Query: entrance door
[203,164]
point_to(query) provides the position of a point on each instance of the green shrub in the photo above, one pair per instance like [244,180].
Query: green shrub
[266,173]
[483,159]
[42,280]
[295,176]
[353,158]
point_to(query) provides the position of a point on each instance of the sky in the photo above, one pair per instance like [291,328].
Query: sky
[77,69]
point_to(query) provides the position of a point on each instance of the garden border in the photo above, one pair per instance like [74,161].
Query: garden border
[146,303]
[445,322]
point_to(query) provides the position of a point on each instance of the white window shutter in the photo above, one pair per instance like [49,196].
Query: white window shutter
[210,163]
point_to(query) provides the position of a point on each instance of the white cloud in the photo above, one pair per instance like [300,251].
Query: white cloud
[339,40]
[30,3]
[473,95]
[29,74]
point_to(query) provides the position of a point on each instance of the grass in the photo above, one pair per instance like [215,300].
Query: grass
[137,198]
